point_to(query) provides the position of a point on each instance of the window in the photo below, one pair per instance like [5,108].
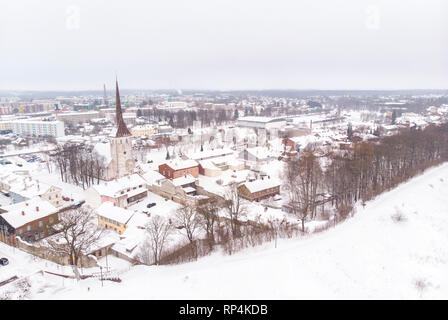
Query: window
[28,228]
[41,224]
[51,219]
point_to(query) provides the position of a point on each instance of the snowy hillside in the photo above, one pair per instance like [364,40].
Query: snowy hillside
[394,248]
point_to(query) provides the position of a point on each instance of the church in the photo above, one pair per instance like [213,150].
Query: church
[117,153]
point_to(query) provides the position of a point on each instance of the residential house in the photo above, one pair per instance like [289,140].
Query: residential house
[259,189]
[113,217]
[179,168]
[30,220]
[122,192]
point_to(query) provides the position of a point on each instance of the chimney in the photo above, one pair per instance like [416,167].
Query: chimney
[26,204]
[37,209]
[23,213]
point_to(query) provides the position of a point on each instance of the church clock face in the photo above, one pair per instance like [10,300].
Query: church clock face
[129,165]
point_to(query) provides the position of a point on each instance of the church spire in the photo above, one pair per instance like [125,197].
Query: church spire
[122,130]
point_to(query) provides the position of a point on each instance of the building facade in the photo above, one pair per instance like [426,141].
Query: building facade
[176,169]
[38,128]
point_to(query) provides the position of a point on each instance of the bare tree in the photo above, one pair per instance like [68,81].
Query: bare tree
[235,208]
[275,224]
[159,230]
[76,234]
[303,176]
[187,221]
[208,216]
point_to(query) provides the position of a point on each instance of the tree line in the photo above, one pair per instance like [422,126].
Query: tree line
[77,163]
[361,172]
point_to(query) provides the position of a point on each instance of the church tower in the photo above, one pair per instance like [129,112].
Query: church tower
[122,160]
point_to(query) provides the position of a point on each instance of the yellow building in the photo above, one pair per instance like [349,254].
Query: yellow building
[5,125]
[144,130]
[112,217]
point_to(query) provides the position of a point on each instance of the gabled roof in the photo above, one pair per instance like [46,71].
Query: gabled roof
[108,210]
[16,219]
[114,188]
[181,164]
[259,185]
[181,181]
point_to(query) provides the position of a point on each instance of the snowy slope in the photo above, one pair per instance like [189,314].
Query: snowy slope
[368,256]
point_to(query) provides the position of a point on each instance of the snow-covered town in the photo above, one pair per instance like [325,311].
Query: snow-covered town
[223,150]
[184,180]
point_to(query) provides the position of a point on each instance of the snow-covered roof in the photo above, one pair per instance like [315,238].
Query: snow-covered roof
[25,212]
[208,164]
[153,177]
[209,154]
[261,152]
[181,181]
[108,210]
[114,188]
[189,189]
[260,119]
[29,188]
[181,164]
[259,185]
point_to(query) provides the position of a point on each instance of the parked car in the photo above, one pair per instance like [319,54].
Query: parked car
[4,261]
[65,198]
[19,164]
[150,205]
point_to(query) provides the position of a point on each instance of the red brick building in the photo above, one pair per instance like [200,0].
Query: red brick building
[177,169]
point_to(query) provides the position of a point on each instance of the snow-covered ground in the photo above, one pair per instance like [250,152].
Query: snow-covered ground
[394,248]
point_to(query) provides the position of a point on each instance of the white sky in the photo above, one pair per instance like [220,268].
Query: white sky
[224,44]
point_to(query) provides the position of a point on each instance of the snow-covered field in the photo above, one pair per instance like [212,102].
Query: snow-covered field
[394,248]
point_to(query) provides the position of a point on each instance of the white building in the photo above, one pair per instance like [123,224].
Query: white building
[77,117]
[266,123]
[38,128]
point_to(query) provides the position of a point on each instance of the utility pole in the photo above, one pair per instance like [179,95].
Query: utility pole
[101,271]
[107,265]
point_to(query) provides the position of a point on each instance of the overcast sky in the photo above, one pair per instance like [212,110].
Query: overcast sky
[224,44]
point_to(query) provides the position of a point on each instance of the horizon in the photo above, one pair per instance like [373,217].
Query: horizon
[224,45]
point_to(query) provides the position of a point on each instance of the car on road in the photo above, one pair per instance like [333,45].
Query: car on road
[4,261]
[150,205]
